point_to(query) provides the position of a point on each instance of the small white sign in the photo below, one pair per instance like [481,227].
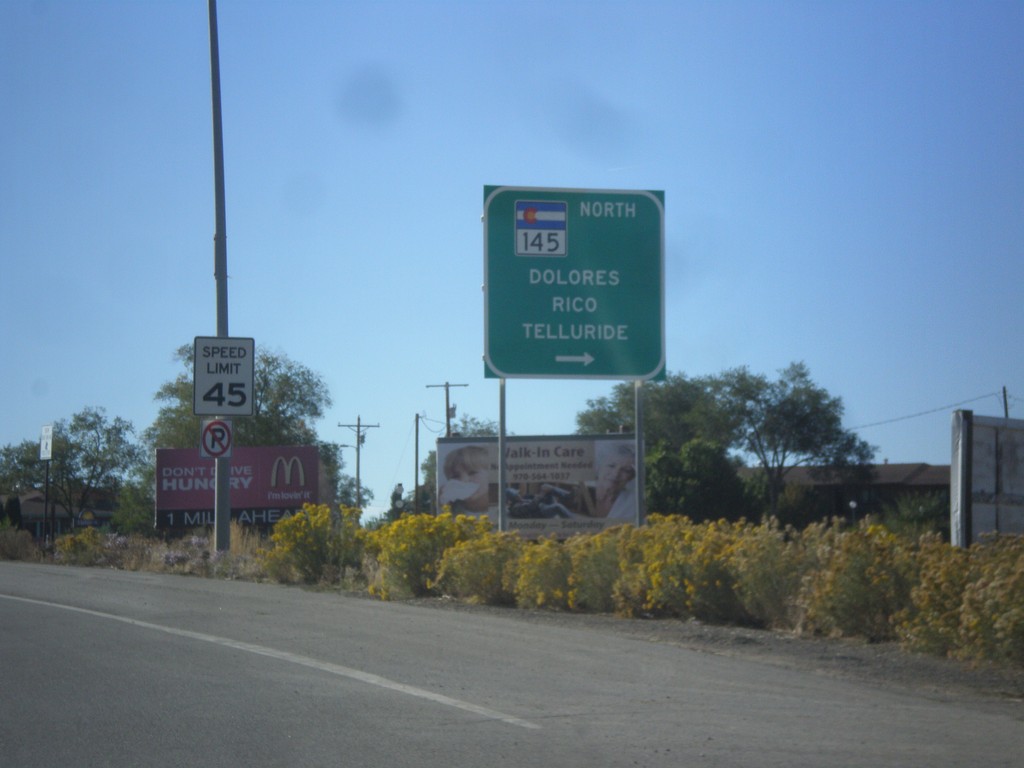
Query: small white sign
[222,381]
[46,443]
[216,439]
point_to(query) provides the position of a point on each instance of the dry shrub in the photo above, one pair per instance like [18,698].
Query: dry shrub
[16,544]
[245,540]
[130,553]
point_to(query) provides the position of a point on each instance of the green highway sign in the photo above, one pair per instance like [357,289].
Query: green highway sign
[574,283]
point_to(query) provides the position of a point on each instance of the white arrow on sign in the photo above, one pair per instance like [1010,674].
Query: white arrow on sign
[585,358]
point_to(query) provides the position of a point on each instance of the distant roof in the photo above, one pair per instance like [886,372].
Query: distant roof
[33,507]
[921,474]
[911,474]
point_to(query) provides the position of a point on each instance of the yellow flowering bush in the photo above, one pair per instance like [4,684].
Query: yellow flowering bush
[595,569]
[482,570]
[631,590]
[406,554]
[711,577]
[932,622]
[312,547]
[665,554]
[992,614]
[769,564]
[543,575]
[82,547]
[675,567]
[969,603]
[866,581]
[863,583]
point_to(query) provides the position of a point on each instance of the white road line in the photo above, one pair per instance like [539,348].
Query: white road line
[305,661]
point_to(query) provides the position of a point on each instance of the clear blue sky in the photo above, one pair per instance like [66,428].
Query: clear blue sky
[844,186]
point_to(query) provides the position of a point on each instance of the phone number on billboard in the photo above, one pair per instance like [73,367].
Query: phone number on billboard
[539,477]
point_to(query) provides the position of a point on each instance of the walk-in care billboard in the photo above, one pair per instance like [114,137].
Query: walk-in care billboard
[559,485]
[267,484]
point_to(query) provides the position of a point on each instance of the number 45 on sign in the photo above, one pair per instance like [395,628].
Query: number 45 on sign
[222,381]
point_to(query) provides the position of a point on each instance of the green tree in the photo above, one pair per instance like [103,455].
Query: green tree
[913,514]
[346,494]
[675,411]
[698,481]
[788,422]
[288,398]
[135,504]
[21,471]
[93,456]
[12,511]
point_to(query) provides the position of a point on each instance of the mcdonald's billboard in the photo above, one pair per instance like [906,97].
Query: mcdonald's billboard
[267,484]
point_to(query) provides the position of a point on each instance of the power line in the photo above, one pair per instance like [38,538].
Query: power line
[926,413]
[427,421]
[401,458]
[447,404]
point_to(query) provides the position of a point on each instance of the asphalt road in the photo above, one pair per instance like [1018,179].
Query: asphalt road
[110,668]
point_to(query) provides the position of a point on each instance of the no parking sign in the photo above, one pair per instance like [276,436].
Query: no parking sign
[216,438]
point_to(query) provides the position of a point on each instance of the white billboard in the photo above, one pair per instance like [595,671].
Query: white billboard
[987,477]
[559,485]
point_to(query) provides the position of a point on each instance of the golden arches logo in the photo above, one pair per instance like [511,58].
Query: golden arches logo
[287,465]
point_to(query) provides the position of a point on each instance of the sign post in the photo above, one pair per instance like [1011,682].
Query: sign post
[573,283]
[222,385]
[46,454]
[574,288]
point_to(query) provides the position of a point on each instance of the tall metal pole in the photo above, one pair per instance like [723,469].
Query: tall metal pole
[49,519]
[502,503]
[222,467]
[359,444]
[416,471]
[641,476]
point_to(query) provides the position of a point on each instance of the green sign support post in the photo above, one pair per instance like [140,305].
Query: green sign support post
[573,283]
[574,288]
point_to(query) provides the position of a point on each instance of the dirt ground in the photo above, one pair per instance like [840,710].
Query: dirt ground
[882,664]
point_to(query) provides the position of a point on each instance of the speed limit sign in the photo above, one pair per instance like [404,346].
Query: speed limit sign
[222,381]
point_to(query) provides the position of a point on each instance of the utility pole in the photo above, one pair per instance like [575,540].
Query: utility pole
[416,471]
[447,405]
[222,466]
[360,429]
